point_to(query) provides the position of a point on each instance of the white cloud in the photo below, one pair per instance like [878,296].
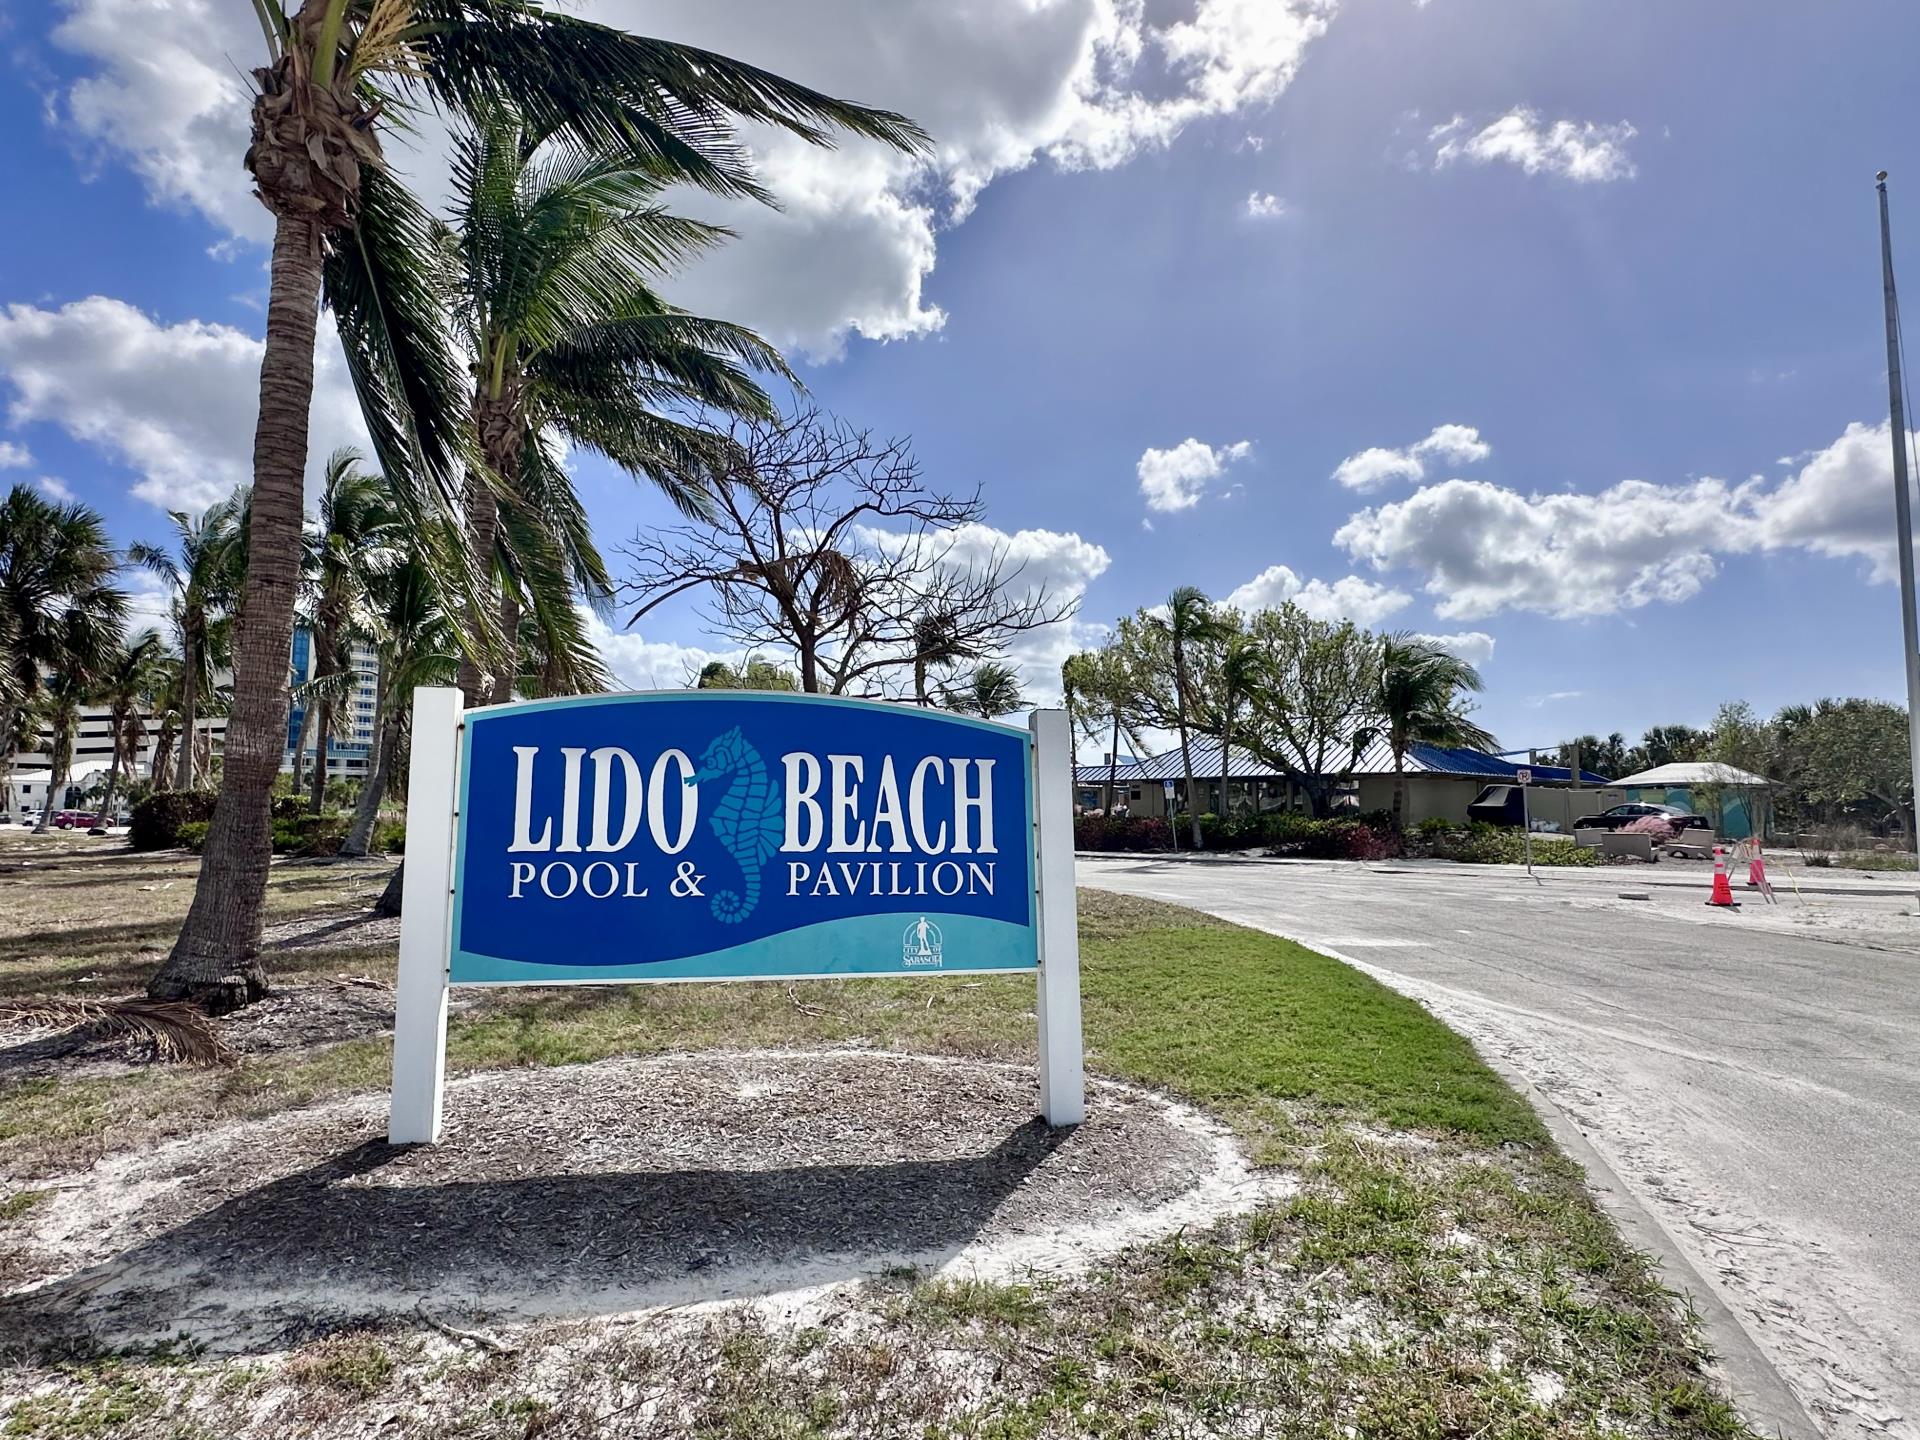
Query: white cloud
[14,457]
[149,601]
[1483,548]
[1175,479]
[641,664]
[1264,206]
[54,488]
[1840,502]
[1000,84]
[1575,150]
[174,402]
[1376,466]
[1061,562]
[1473,646]
[1348,598]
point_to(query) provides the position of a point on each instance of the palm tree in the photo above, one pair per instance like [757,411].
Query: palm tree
[127,687]
[936,644]
[553,258]
[990,690]
[1189,622]
[59,608]
[417,645]
[358,539]
[1421,692]
[1240,664]
[205,580]
[169,680]
[345,228]
[61,700]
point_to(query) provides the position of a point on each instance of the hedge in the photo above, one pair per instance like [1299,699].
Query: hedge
[157,820]
[1277,832]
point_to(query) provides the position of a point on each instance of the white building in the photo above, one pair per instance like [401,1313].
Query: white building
[347,752]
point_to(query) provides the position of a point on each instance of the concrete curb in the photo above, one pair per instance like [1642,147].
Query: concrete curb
[1761,1393]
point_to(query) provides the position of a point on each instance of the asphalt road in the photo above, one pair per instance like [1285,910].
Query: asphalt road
[1754,1077]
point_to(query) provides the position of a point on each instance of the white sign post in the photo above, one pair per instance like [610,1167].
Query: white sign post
[1525,777]
[435,831]
[426,919]
[1063,1080]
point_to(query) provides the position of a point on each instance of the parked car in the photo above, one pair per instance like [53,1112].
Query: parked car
[1623,815]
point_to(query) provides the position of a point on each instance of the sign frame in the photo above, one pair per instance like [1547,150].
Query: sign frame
[436,837]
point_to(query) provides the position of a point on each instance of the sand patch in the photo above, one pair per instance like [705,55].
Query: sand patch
[611,1188]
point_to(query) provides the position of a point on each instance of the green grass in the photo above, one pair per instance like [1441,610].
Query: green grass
[1250,1024]
[1222,1331]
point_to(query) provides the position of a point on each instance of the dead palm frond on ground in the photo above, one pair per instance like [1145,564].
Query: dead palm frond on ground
[176,1032]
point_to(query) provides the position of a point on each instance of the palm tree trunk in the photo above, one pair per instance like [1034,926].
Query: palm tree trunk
[56,790]
[1226,759]
[317,797]
[104,819]
[216,960]
[1113,759]
[162,756]
[482,533]
[388,905]
[1186,753]
[189,705]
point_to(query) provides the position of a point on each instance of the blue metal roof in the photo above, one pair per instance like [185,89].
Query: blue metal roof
[1458,760]
[1377,759]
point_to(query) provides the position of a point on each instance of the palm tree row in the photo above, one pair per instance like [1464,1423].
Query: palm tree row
[573,128]
[1307,696]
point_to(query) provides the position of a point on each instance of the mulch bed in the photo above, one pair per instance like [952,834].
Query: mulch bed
[601,1189]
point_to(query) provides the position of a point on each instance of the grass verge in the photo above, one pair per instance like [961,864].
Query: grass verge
[1440,1272]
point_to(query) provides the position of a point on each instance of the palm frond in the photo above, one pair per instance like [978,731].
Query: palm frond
[176,1032]
[674,106]
[382,286]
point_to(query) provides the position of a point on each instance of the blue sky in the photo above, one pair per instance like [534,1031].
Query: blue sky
[1615,264]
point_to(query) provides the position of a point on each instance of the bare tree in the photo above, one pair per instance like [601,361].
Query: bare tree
[824,544]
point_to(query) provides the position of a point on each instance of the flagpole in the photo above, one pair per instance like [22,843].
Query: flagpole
[1902,500]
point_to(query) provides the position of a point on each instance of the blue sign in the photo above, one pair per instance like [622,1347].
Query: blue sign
[714,835]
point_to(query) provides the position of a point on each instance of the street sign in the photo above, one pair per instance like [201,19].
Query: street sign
[1166,788]
[1524,775]
[729,835]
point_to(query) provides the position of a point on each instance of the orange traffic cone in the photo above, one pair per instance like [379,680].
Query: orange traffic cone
[1722,891]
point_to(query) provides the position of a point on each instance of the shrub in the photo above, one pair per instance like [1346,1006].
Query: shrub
[1657,826]
[1434,827]
[1120,832]
[1301,837]
[1492,846]
[193,835]
[391,838]
[310,835]
[289,807]
[157,819]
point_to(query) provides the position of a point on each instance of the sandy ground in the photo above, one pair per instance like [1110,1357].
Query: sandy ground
[1750,1074]
[606,1189]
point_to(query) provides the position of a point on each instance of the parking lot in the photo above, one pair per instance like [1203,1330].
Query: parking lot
[1750,1075]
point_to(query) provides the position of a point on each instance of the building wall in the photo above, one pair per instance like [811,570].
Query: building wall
[92,754]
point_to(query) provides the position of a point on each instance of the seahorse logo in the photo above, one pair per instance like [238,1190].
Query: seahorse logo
[747,820]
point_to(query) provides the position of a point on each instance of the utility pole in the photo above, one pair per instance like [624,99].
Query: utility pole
[1902,497]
